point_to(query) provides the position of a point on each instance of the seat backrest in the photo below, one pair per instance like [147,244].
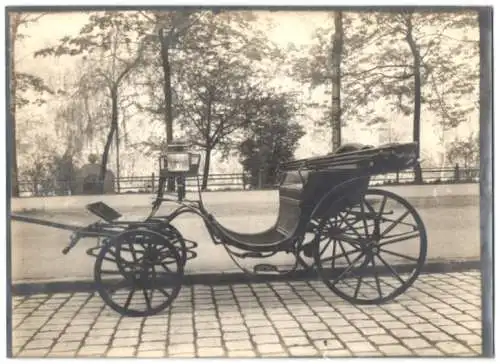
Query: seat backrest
[300,192]
[351,147]
[290,210]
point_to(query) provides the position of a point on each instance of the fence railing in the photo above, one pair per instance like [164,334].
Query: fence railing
[241,181]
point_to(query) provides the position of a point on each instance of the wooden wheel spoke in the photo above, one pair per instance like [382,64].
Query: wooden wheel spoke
[334,250]
[339,255]
[344,251]
[129,298]
[400,237]
[401,223]
[351,227]
[165,266]
[326,246]
[113,254]
[349,240]
[348,269]
[375,274]
[132,251]
[165,293]
[153,281]
[393,272]
[146,298]
[395,223]
[358,285]
[399,255]
[110,260]
[382,206]
[364,218]
[106,271]
[347,229]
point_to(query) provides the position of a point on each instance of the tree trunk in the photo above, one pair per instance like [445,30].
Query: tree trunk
[417,98]
[167,91]
[337,45]
[13,89]
[109,140]
[206,169]
[117,145]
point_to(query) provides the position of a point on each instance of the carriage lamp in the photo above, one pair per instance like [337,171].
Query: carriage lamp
[178,162]
[177,159]
[195,159]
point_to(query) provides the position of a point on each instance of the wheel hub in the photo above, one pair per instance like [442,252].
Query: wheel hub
[333,231]
[371,248]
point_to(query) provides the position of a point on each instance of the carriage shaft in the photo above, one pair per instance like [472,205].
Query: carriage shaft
[56,225]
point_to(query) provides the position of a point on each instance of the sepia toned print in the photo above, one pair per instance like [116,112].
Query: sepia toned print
[249,183]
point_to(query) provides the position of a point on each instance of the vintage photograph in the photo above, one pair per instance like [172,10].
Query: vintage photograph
[249,182]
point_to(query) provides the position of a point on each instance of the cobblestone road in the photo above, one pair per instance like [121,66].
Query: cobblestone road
[439,316]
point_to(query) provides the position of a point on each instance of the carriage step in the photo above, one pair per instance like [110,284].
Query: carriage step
[266,269]
[103,211]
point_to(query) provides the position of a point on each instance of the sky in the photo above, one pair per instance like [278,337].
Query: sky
[289,27]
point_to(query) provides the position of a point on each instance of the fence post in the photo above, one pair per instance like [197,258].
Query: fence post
[456,173]
[153,182]
[243,181]
[397,176]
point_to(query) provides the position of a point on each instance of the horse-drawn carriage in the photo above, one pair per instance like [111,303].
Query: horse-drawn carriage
[357,239]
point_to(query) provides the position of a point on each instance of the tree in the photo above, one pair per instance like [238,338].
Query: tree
[113,43]
[37,165]
[406,60]
[25,88]
[329,66]
[272,139]
[407,75]
[216,73]
[464,152]
[172,27]
[337,46]
[81,113]
[220,103]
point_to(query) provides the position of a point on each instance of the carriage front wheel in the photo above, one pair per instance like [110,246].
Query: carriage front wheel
[372,251]
[138,273]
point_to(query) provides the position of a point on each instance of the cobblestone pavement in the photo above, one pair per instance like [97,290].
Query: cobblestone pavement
[439,316]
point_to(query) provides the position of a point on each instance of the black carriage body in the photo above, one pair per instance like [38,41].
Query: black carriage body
[313,187]
[306,195]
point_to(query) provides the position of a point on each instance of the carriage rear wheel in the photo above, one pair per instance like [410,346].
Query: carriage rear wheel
[138,273]
[372,251]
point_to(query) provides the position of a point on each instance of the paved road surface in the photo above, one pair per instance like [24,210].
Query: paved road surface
[452,224]
[439,315]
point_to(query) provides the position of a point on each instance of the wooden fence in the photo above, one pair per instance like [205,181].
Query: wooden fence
[240,181]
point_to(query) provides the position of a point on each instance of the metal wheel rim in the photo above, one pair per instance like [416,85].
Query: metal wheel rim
[365,262]
[139,276]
